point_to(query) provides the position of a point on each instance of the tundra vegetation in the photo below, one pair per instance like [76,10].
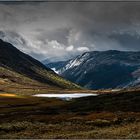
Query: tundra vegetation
[109,115]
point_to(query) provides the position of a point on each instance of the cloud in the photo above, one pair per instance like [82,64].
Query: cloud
[70,48]
[81,49]
[63,30]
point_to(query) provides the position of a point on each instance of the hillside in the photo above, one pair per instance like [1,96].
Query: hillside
[19,68]
[102,70]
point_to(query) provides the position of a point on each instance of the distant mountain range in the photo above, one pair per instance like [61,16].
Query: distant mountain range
[101,69]
[19,68]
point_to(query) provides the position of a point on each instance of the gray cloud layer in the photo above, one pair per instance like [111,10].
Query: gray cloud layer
[61,30]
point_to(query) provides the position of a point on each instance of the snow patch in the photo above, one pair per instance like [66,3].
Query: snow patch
[76,62]
[54,69]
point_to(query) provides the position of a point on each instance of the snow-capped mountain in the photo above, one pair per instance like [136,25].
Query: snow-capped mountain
[102,69]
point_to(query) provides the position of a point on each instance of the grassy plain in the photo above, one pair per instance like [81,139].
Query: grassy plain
[109,115]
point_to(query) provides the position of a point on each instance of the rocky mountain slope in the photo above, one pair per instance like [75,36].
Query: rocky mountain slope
[102,69]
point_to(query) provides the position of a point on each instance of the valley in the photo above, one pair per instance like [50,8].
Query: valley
[78,114]
[69,69]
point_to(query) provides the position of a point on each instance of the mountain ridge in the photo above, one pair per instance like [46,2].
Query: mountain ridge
[103,69]
[21,64]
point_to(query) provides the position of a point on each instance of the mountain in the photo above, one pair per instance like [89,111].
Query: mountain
[56,66]
[102,69]
[46,61]
[51,60]
[19,68]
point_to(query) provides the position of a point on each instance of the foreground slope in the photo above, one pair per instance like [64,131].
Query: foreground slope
[19,68]
[100,70]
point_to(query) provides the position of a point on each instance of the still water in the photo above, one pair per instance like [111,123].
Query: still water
[66,96]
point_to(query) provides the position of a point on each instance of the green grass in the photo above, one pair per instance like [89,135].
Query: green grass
[57,79]
[8,77]
[13,82]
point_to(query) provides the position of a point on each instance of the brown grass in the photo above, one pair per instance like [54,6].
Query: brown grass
[68,129]
[32,117]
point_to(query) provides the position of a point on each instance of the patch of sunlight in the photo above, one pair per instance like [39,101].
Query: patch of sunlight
[8,95]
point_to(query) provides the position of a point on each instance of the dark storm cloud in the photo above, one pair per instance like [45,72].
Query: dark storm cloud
[60,30]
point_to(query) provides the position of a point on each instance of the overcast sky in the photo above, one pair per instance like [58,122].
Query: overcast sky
[61,30]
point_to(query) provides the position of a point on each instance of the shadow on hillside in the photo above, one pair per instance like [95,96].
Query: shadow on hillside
[126,102]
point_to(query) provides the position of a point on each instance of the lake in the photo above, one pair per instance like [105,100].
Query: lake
[66,96]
